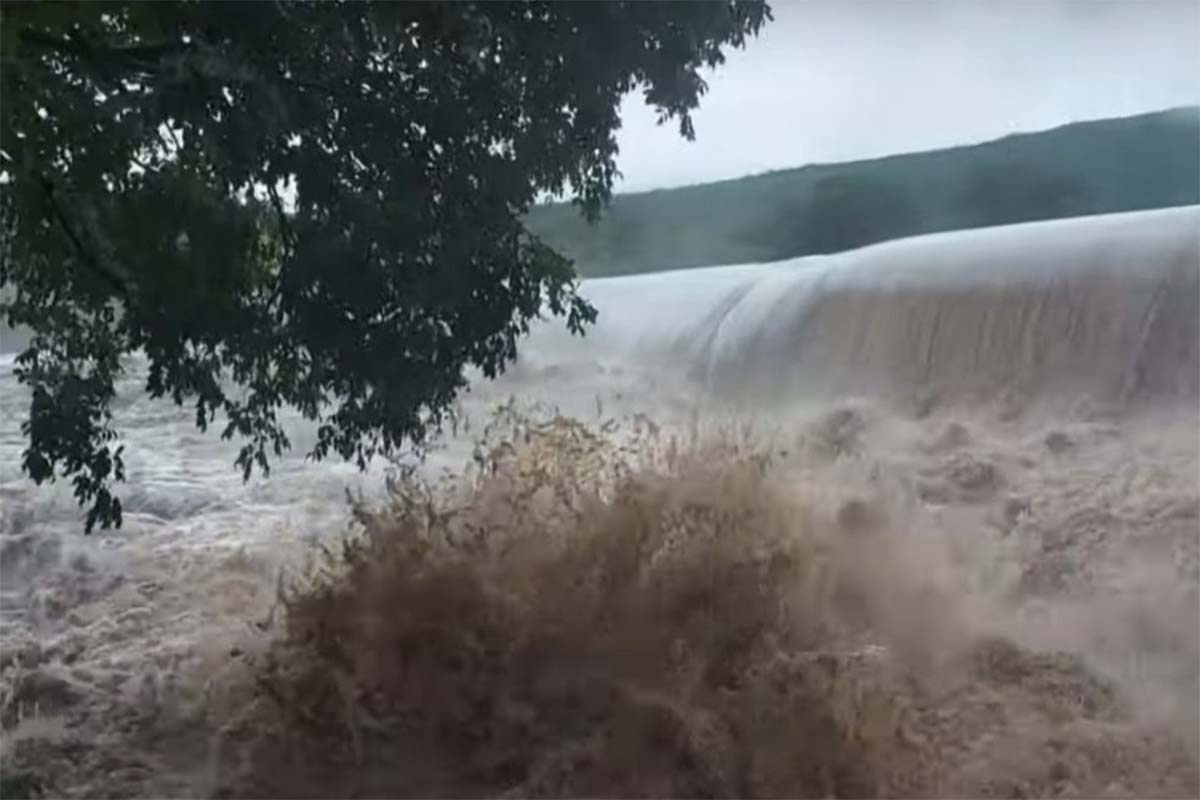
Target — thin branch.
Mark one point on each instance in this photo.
(283, 220)
(85, 254)
(174, 137)
(320, 87)
(136, 55)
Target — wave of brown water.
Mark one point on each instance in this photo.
(993, 596)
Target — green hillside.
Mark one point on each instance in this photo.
(1146, 161)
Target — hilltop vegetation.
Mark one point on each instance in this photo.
(1127, 164)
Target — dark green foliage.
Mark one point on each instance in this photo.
(151, 151)
(1147, 161)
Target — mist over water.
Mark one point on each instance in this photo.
(1003, 420)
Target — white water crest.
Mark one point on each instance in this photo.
(1103, 306)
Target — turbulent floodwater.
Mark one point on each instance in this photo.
(1021, 400)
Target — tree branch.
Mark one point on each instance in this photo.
(134, 55)
(279, 212)
(86, 255)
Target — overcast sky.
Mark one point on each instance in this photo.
(834, 81)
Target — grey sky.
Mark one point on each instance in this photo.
(834, 81)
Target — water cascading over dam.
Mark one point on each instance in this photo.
(1104, 307)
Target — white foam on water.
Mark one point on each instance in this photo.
(1103, 307)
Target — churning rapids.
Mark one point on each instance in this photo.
(1013, 411)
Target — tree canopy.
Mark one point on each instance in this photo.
(320, 204)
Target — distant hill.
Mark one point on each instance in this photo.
(1140, 162)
